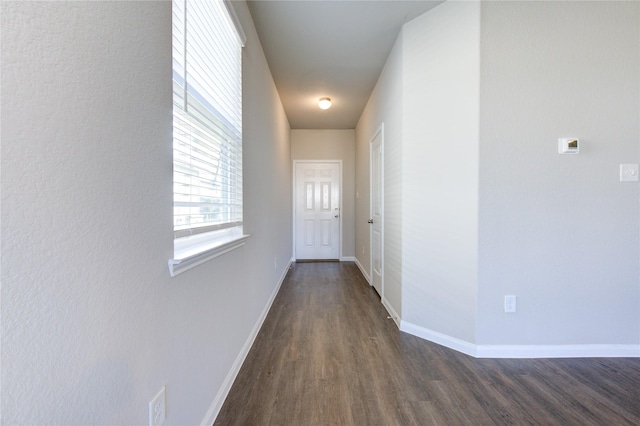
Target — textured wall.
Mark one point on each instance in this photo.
(92, 325)
(559, 231)
(441, 78)
(384, 106)
(332, 145)
(480, 93)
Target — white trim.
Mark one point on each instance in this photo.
(394, 315)
(340, 210)
(197, 255)
(380, 132)
(522, 351)
(439, 338)
(242, 38)
(214, 410)
(347, 259)
(364, 273)
(557, 351)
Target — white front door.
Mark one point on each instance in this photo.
(377, 211)
(317, 210)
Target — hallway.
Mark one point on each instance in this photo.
(328, 355)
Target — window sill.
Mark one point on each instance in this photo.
(198, 254)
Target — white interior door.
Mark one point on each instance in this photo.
(377, 211)
(317, 210)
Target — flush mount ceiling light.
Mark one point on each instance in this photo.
(324, 103)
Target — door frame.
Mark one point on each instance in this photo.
(380, 132)
(294, 202)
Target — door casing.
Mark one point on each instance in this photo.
(295, 201)
(377, 217)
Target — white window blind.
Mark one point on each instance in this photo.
(207, 118)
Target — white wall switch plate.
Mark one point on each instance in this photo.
(509, 304)
(628, 173)
(157, 412)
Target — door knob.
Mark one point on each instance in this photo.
(370, 221)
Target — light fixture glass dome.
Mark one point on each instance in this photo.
(324, 103)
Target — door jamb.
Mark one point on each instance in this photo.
(380, 132)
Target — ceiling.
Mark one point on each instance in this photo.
(331, 48)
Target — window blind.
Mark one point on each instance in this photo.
(207, 118)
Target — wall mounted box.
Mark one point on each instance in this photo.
(568, 146)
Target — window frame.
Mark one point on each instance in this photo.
(198, 245)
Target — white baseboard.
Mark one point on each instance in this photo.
(522, 351)
(392, 312)
(558, 351)
(347, 259)
(439, 338)
(364, 273)
(216, 406)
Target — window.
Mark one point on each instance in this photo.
(207, 132)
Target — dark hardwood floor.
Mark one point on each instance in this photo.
(328, 355)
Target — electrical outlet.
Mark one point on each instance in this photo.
(275, 262)
(509, 304)
(157, 413)
(363, 249)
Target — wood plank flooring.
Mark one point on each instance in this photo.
(328, 355)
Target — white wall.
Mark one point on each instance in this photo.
(487, 206)
(333, 145)
(558, 231)
(441, 74)
(92, 325)
(384, 106)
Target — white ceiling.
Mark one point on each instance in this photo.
(331, 48)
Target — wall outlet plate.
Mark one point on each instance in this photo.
(157, 411)
(628, 173)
